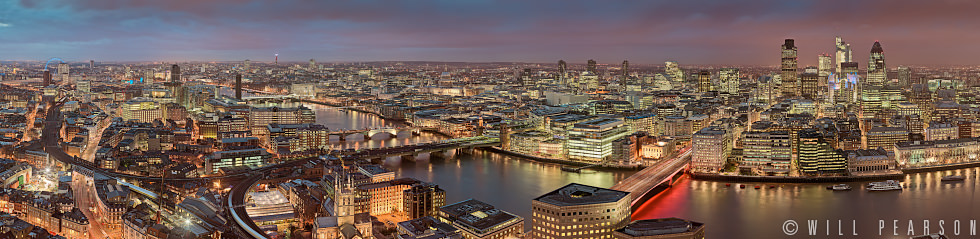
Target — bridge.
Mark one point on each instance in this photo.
(411, 152)
(368, 133)
(654, 178)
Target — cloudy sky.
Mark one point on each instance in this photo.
(645, 32)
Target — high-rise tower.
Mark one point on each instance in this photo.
(842, 54)
(63, 71)
(562, 71)
(238, 86)
(728, 80)
(590, 67)
(175, 73)
(674, 70)
(704, 81)
(46, 77)
(626, 67)
(312, 65)
(874, 82)
(790, 87)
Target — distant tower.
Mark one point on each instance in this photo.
(674, 70)
(562, 71)
(91, 63)
(626, 67)
(843, 54)
(904, 76)
(277, 59)
(47, 77)
(809, 83)
(590, 67)
(247, 64)
(871, 99)
(704, 81)
(728, 79)
(624, 79)
(526, 77)
(312, 65)
(175, 73)
(824, 66)
(238, 86)
(63, 71)
(790, 87)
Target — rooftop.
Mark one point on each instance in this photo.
(662, 226)
(473, 214)
(578, 194)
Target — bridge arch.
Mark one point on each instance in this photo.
(50, 60)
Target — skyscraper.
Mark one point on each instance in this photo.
(175, 73)
(824, 66)
(728, 80)
(312, 65)
(847, 84)
(871, 87)
(788, 68)
(809, 83)
(63, 71)
(590, 67)
(904, 76)
(248, 63)
(704, 81)
(626, 67)
(238, 86)
(843, 54)
(674, 71)
(562, 72)
(46, 76)
(91, 63)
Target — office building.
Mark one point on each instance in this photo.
(260, 117)
(871, 95)
(885, 137)
(479, 220)
(942, 131)
(591, 141)
(788, 69)
(810, 84)
(252, 158)
(728, 80)
(817, 156)
(704, 81)
(423, 200)
(711, 148)
(142, 110)
(562, 72)
(579, 211)
(766, 151)
(912, 154)
(591, 67)
(175, 73)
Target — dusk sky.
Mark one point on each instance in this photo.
(644, 32)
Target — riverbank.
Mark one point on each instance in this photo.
(559, 161)
(941, 167)
(786, 179)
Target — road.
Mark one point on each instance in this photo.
(650, 177)
(83, 191)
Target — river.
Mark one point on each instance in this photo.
(728, 212)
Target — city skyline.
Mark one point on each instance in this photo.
(643, 33)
